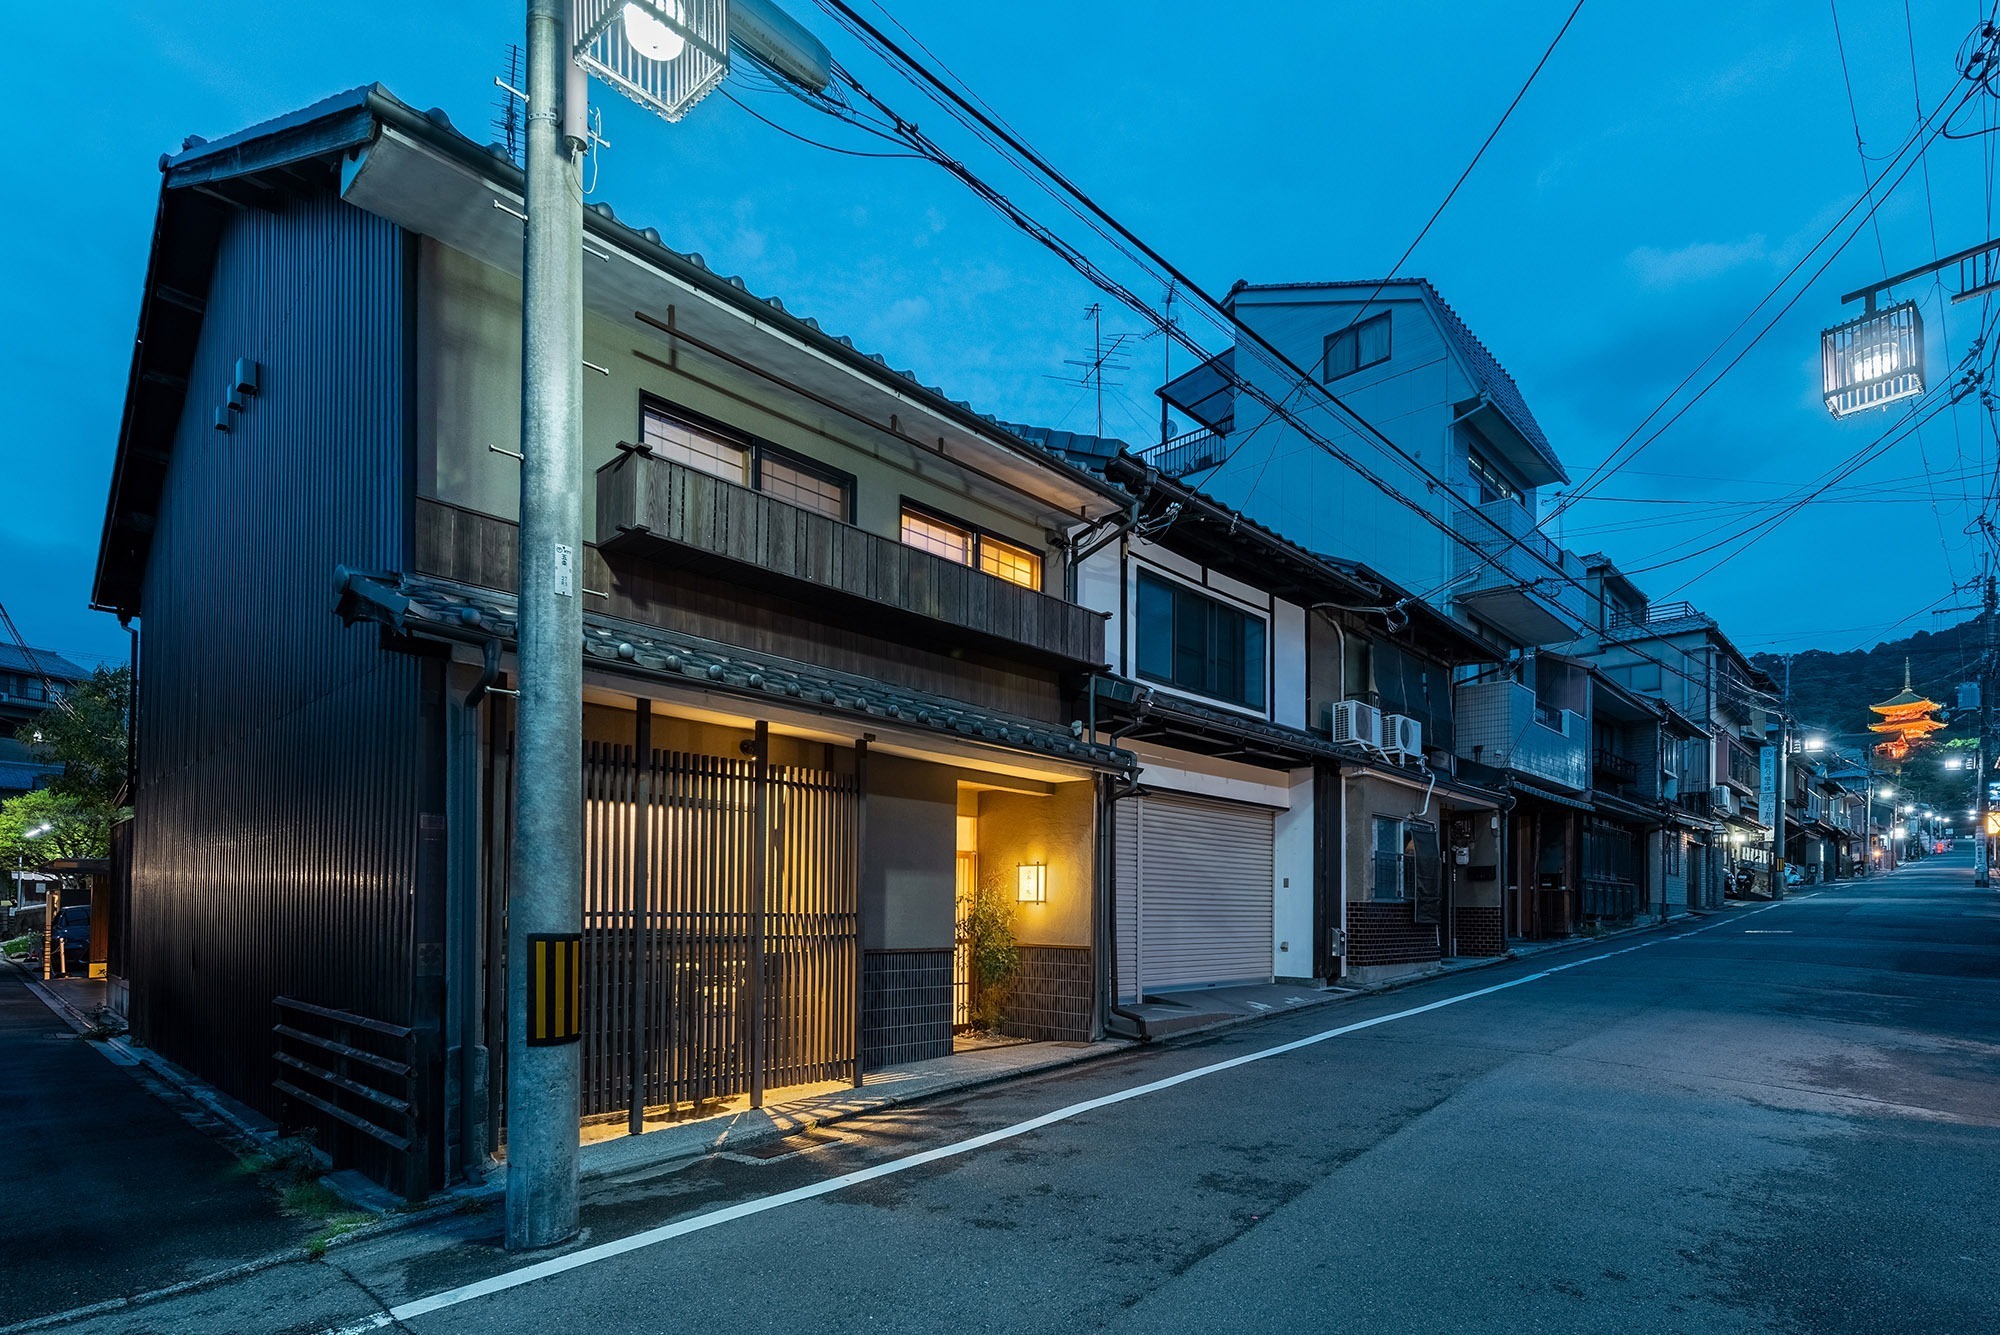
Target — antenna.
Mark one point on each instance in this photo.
(507, 107)
(1104, 357)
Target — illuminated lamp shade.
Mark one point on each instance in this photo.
(666, 55)
(1034, 882)
(1874, 360)
(1901, 831)
(651, 38)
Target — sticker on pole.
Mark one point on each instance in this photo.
(555, 989)
(565, 570)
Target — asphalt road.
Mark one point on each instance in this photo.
(106, 1188)
(1774, 1119)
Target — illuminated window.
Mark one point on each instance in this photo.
(1016, 565)
(804, 487)
(969, 547)
(685, 443)
(937, 537)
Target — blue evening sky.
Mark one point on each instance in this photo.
(1669, 165)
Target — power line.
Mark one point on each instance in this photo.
(1258, 345)
(1049, 178)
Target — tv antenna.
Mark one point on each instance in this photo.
(1105, 358)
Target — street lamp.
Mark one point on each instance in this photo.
(1873, 360)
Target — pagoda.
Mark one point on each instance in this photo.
(1906, 720)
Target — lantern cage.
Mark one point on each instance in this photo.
(1874, 360)
(665, 55)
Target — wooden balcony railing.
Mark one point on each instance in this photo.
(655, 507)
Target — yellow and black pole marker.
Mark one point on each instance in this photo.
(555, 990)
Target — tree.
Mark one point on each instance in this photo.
(86, 735)
(77, 827)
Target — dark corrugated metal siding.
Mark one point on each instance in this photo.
(275, 840)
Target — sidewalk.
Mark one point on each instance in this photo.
(111, 1191)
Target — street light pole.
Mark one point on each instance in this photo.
(1981, 857)
(545, 906)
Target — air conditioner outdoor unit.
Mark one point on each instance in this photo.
(1403, 736)
(1724, 799)
(1357, 724)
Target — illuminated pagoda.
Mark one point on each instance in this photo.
(1906, 720)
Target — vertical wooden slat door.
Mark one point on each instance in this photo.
(671, 923)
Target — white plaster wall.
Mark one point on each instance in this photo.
(1292, 887)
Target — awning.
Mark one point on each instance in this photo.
(1553, 799)
(423, 606)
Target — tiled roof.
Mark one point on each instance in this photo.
(45, 661)
(1485, 369)
(424, 605)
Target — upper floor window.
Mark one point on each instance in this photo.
(1487, 481)
(970, 547)
(680, 440)
(803, 485)
(1357, 346)
(1189, 640)
(747, 463)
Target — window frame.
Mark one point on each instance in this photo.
(1259, 706)
(979, 535)
(1403, 889)
(1328, 375)
(755, 449)
(1489, 476)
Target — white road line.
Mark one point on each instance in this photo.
(604, 1251)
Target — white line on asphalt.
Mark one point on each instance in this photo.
(605, 1251)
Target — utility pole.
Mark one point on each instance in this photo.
(1981, 858)
(545, 905)
(1781, 786)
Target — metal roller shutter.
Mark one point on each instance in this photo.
(1193, 892)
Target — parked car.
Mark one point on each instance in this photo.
(71, 935)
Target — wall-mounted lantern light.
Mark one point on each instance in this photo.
(1034, 882)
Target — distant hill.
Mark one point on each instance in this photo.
(1832, 691)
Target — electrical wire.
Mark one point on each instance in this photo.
(1051, 180)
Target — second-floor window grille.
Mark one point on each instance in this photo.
(768, 468)
(969, 547)
(937, 537)
(1197, 643)
(1016, 565)
(1357, 347)
(670, 437)
(804, 487)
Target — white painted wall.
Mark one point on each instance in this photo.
(1292, 888)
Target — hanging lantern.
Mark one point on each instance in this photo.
(1874, 360)
(665, 55)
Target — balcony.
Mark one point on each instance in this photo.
(1500, 723)
(1509, 574)
(648, 506)
(1610, 765)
